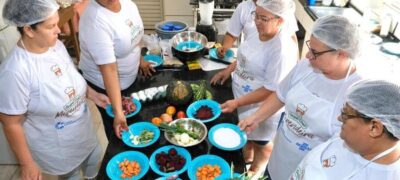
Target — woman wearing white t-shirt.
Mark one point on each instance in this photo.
(369, 145)
(262, 63)
(242, 21)
(312, 95)
(43, 105)
(109, 35)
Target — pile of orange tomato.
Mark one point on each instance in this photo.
(168, 116)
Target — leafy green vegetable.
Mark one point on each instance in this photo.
(176, 129)
(146, 136)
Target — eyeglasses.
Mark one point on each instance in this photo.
(316, 53)
(264, 19)
(345, 116)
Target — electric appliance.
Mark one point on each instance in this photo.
(206, 25)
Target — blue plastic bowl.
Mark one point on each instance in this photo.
(155, 59)
(189, 46)
(228, 55)
(136, 129)
(113, 171)
(135, 101)
(242, 135)
(211, 160)
(181, 151)
(215, 107)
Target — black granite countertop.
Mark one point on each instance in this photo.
(154, 109)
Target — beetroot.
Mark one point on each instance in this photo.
(171, 161)
(203, 113)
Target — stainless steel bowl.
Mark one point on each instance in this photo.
(189, 53)
(188, 124)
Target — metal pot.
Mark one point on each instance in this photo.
(188, 45)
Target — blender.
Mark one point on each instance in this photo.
(206, 25)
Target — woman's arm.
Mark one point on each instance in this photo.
(223, 75)
(256, 96)
(14, 132)
(270, 106)
(111, 83)
(229, 39)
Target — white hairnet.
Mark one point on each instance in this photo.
(338, 33)
(378, 99)
(281, 8)
(28, 12)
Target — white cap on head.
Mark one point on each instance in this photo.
(377, 99)
(28, 12)
(338, 33)
(281, 8)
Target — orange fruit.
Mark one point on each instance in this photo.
(171, 110)
(156, 121)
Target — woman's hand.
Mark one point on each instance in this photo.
(31, 172)
(98, 98)
(221, 51)
(101, 100)
(145, 68)
(120, 125)
(229, 106)
(248, 124)
(221, 77)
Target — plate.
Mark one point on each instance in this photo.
(212, 160)
(136, 129)
(135, 101)
(181, 151)
(113, 171)
(240, 134)
(228, 55)
(215, 107)
(155, 59)
(391, 48)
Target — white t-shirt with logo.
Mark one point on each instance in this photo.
(334, 160)
(296, 139)
(242, 20)
(107, 37)
(262, 64)
(48, 90)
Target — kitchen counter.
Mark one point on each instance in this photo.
(155, 109)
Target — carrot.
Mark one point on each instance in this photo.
(208, 172)
(129, 168)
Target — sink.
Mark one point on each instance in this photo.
(350, 13)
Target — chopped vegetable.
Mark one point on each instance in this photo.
(177, 129)
(207, 172)
(145, 137)
(129, 168)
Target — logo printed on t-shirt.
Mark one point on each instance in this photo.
(298, 174)
(295, 122)
(135, 29)
(70, 91)
(241, 68)
(329, 162)
(57, 70)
